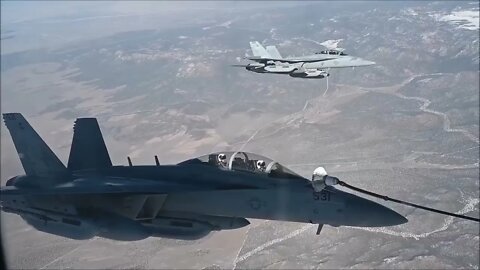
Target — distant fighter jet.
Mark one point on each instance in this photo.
(91, 197)
(313, 66)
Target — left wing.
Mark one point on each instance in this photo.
(93, 186)
(284, 60)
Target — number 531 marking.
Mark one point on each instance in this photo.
(321, 196)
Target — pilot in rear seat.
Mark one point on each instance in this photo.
(222, 160)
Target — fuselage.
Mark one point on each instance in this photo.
(218, 199)
(218, 191)
(309, 66)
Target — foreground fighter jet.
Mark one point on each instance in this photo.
(314, 66)
(91, 197)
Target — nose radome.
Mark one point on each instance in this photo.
(371, 214)
(240, 222)
(388, 217)
(366, 63)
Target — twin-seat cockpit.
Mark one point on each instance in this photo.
(242, 161)
(332, 52)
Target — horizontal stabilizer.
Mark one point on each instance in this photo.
(88, 149)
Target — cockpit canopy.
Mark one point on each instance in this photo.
(246, 162)
(332, 52)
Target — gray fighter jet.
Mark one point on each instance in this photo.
(314, 66)
(91, 197)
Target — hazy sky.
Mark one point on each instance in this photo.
(17, 11)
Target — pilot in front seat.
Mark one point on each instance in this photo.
(261, 166)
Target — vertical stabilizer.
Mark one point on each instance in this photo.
(36, 157)
(88, 147)
(258, 50)
(273, 52)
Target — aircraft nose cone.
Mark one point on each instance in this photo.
(366, 63)
(240, 222)
(371, 214)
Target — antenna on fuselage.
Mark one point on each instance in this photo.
(129, 161)
(156, 161)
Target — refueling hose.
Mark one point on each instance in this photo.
(386, 198)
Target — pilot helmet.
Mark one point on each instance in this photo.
(260, 164)
(222, 157)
